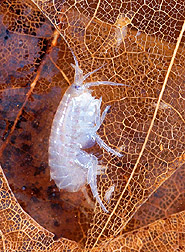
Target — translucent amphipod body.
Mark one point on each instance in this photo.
(74, 128)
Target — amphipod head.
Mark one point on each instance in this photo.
(79, 78)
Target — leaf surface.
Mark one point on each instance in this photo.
(140, 44)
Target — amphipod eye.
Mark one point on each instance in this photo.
(77, 87)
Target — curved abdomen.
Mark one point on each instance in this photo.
(63, 150)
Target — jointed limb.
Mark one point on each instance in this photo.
(103, 145)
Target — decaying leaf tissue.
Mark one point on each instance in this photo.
(121, 126)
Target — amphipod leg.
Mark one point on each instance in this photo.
(100, 142)
(103, 145)
(104, 114)
(92, 181)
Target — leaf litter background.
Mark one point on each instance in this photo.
(137, 42)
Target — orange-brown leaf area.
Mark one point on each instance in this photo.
(138, 43)
(163, 235)
(168, 199)
(19, 232)
(26, 112)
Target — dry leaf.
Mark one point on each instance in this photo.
(139, 44)
(19, 232)
(163, 235)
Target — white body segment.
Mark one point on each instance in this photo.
(74, 128)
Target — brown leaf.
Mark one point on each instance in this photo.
(163, 235)
(168, 199)
(30, 93)
(19, 232)
(141, 45)
(146, 121)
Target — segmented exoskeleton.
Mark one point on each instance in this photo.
(74, 128)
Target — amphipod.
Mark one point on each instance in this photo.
(74, 128)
